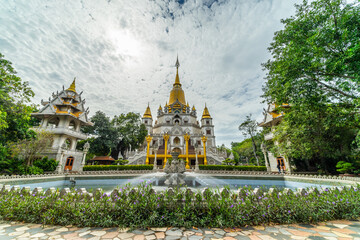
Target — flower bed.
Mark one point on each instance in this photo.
(143, 207)
(232, 168)
(116, 167)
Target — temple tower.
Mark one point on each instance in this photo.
(63, 115)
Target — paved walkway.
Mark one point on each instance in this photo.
(328, 230)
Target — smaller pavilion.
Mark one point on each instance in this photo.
(63, 115)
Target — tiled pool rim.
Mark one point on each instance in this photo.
(318, 179)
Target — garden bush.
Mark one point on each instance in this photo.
(46, 164)
(232, 168)
(141, 207)
(116, 167)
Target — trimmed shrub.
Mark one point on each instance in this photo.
(232, 168)
(116, 167)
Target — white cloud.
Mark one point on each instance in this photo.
(123, 52)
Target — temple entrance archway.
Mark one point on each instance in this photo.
(178, 150)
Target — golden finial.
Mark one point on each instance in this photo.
(72, 86)
(187, 104)
(206, 113)
(177, 79)
(160, 108)
(147, 113)
(166, 105)
(193, 108)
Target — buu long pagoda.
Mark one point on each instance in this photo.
(176, 129)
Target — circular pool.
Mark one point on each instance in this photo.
(193, 180)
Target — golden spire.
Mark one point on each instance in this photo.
(187, 105)
(72, 86)
(177, 79)
(206, 113)
(193, 108)
(147, 113)
(166, 105)
(177, 93)
(160, 108)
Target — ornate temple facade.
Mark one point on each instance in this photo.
(272, 118)
(176, 129)
(63, 115)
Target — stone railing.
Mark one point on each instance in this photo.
(98, 193)
(235, 172)
(30, 176)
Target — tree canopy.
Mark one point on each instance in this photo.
(15, 96)
(111, 136)
(315, 68)
(317, 53)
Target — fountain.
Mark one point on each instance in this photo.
(175, 171)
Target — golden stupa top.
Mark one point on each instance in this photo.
(160, 108)
(177, 93)
(193, 108)
(147, 113)
(72, 86)
(206, 113)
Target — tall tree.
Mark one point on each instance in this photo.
(249, 129)
(30, 149)
(317, 53)
(105, 136)
(315, 68)
(131, 132)
(15, 112)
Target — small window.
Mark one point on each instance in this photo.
(185, 121)
(199, 142)
(167, 121)
(145, 121)
(207, 122)
(208, 132)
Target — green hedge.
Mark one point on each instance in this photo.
(232, 168)
(142, 208)
(116, 167)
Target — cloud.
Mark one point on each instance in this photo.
(123, 52)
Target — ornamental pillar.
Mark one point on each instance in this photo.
(187, 138)
(166, 138)
(148, 140)
(204, 139)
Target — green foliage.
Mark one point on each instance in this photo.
(232, 168)
(244, 150)
(115, 135)
(116, 167)
(46, 164)
(314, 67)
(141, 208)
(344, 167)
(249, 128)
(14, 111)
(319, 134)
(229, 161)
(317, 53)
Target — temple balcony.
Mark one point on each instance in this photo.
(62, 130)
(269, 136)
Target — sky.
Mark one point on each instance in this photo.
(123, 52)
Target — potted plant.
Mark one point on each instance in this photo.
(346, 168)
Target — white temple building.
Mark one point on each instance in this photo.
(63, 115)
(177, 129)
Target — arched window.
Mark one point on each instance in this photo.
(176, 141)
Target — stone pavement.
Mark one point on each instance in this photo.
(329, 230)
